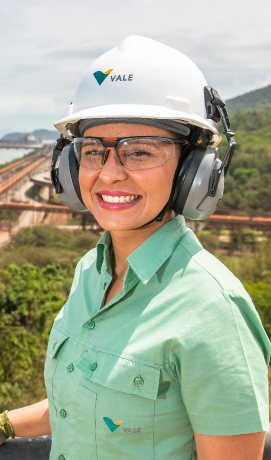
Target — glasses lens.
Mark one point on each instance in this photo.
(89, 153)
(145, 153)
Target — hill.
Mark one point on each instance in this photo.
(40, 134)
(248, 185)
(12, 136)
(45, 134)
(258, 99)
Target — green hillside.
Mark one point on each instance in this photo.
(248, 184)
(258, 99)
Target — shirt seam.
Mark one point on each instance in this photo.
(229, 416)
(200, 265)
(241, 344)
(115, 353)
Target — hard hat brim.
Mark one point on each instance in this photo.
(139, 111)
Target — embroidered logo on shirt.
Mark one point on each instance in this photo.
(111, 425)
(130, 430)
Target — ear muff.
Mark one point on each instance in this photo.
(191, 197)
(68, 178)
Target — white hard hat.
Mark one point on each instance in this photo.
(141, 78)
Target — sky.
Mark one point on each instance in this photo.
(46, 46)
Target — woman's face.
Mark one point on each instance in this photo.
(150, 187)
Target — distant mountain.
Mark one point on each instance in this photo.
(40, 134)
(12, 136)
(254, 100)
(45, 134)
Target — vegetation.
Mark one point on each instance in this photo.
(248, 185)
(36, 274)
(258, 99)
(35, 279)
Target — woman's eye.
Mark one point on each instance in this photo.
(139, 153)
(92, 152)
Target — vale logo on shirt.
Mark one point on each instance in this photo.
(111, 425)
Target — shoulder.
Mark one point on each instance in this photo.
(206, 268)
(218, 308)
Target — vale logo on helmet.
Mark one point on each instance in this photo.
(101, 76)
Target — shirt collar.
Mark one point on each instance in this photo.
(103, 251)
(150, 255)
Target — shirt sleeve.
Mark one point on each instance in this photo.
(220, 358)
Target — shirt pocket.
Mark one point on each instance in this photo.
(57, 341)
(126, 393)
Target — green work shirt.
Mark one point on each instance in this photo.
(179, 349)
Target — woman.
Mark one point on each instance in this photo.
(158, 352)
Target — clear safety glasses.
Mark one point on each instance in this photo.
(133, 153)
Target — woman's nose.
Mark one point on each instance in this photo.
(112, 171)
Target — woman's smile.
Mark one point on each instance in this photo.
(116, 200)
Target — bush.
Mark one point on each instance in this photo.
(32, 291)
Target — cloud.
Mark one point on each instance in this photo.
(47, 46)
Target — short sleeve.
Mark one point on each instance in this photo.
(220, 357)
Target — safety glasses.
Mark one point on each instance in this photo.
(133, 153)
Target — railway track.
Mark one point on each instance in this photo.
(35, 207)
(39, 158)
(225, 221)
(19, 163)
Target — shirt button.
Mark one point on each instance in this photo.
(93, 366)
(55, 344)
(61, 457)
(63, 413)
(70, 367)
(138, 381)
(91, 324)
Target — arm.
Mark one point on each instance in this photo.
(238, 447)
(31, 420)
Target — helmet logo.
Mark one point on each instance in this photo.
(101, 76)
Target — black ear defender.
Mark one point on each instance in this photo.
(198, 182)
(65, 177)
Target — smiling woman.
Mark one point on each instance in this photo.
(114, 180)
(159, 352)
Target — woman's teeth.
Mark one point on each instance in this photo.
(119, 199)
